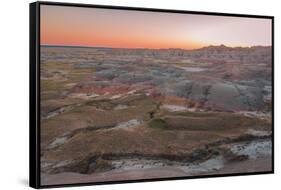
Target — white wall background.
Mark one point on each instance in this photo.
(14, 27)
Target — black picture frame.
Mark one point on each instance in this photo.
(34, 93)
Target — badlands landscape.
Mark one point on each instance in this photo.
(110, 114)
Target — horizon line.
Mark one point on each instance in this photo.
(108, 47)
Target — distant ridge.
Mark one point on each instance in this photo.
(223, 47)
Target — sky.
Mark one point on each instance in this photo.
(78, 26)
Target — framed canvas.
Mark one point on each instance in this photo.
(123, 94)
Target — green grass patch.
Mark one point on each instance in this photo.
(198, 114)
(50, 85)
(158, 124)
(56, 66)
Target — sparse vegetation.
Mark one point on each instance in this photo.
(158, 123)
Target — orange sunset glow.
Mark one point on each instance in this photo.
(77, 26)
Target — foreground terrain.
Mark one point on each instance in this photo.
(117, 114)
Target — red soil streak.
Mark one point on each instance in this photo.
(102, 90)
